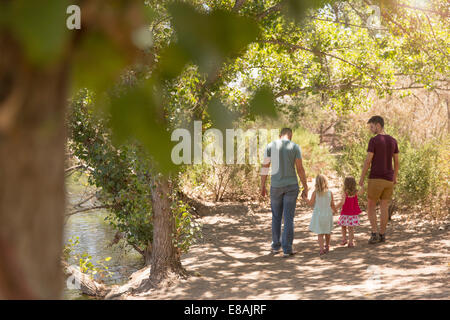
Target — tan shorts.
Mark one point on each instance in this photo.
(380, 189)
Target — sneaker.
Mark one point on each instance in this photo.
(373, 238)
(382, 238)
(287, 255)
(274, 252)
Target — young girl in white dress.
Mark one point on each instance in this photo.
(322, 217)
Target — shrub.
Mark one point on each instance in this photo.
(242, 182)
(424, 169)
(122, 175)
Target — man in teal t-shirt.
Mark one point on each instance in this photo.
(285, 157)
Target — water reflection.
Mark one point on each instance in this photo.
(95, 236)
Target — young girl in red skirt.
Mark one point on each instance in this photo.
(350, 211)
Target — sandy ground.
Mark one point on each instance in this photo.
(234, 262)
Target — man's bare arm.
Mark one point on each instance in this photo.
(302, 175)
(366, 167)
(312, 201)
(396, 167)
(264, 172)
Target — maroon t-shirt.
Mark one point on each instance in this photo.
(383, 146)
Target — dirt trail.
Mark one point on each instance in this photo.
(233, 261)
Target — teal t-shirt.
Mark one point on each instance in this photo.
(282, 154)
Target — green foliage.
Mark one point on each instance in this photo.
(210, 38)
(297, 10)
(263, 103)
(422, 175)
(84, 260)
(69, 247)
(242, 181)
(350, 161)
(98, 63)
(40, 26)
(124, 176)
(188, 231)
(329, 58)
(316, 158)
(141, 120)
(121, 174)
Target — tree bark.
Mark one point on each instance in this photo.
(148, 254)
(164, 259)
(32, 194)
(86, 284)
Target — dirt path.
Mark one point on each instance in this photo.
(234, 262)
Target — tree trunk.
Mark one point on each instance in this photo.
(165, 259)
(32, 194)
(84, 282)
(148, 254)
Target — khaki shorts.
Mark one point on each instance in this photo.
(380, 189)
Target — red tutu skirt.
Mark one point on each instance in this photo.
(348, 221)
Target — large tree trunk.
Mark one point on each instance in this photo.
(32, 196)
(165, 260)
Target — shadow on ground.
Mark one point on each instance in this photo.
(234, 262)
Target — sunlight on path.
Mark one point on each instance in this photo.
(234, 262)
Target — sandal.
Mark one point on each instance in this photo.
(322, 252)
(343, 242)
(351, 244)
(327, 249)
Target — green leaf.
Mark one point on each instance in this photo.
(40, 26)
(296, 9)
(172, 62)
(97, 64)
(263, 103)
(221, 117)
(136, 114)
(108, 258)
(209, 38)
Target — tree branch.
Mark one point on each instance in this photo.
(344, 23)
(238, 5)
(348, 86)
(87, 209)
(434, 36)
(73, 168)
(270, 10)
(293, 46)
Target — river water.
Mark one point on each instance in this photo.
(95, 237)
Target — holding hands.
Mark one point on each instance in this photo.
(304, 194)
(361, 185)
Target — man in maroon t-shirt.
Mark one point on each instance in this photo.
(382, 178)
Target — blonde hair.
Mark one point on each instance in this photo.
(321, 183)
(350, 186)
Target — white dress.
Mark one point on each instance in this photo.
(322, 217)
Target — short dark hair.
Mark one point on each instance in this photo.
(285, 131)
(377, 119)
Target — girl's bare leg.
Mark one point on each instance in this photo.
(344, 234)
(320, 239)
(327, 239)
(350, 235)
